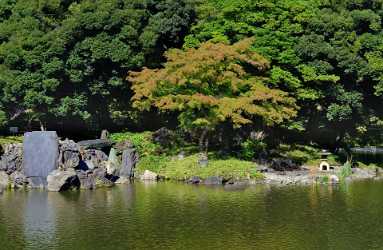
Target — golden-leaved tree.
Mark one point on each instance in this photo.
(212, 84)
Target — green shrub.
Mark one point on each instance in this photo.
(345, 171)
(142, 141)
(298, 156)
(250, 149)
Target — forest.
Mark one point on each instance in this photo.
(226, 75)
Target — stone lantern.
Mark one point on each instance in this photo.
(324, 165)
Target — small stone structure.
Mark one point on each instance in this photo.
(324, 165)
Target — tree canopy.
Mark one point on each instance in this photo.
(213, 84)
(67, 60)
(324, 53)
(64, 63)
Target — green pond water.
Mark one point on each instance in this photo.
(178, 216)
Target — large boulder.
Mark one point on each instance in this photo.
(87, 180)
(69, 156)
(61, 180)
(94, 158)
(113, 163)
(41, 151)
(12, 159)
(93, 179)
(95, 144)
(129, 160)
(149, 176)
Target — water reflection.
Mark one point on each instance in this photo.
(176, 216)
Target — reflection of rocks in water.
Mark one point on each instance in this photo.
(39, 221)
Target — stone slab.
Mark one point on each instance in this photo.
(41, 151)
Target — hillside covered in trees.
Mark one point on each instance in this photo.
(222, 73)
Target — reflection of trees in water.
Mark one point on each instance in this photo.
(167, 215)
(11, 225)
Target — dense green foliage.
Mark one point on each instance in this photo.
(325, 53)
(67, 60)
(312, 72)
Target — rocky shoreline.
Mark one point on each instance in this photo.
(86, 165)
(81, 165)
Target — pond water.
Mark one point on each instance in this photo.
(178, 216)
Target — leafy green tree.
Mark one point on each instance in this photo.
(213, 84)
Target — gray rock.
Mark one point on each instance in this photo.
(40, 156)
(194, 180)
(333, 179)
(149, 176)
(95, 144)
(213, 180)
(61, 180)
(69, 156)
(18, 180)
(203, 160)
(129, 161)
(104, 134)
(359, 173)
(263, 169)
(289, 177)
(94, 158)
(100, 178)
(87, 180)
(121, 146)
(181, 156)
(122, 180)
(12, 159)
(113, 163)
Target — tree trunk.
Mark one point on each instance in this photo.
(204, 140)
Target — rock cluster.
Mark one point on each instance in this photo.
(82, 165)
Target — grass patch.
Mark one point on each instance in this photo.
(369, 165)
(4, 140)
(183, 169)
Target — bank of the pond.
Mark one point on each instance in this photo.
(232, 175)
(118, 159)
